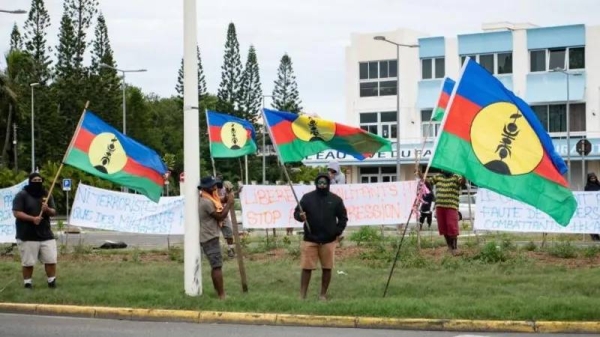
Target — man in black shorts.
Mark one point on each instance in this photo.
(211, 211)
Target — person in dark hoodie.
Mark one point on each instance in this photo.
(593, 185)
(34, 235)
(325, 218)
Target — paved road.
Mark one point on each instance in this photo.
(45, 326)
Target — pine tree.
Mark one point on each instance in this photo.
(201, 80)
(229, 90)
(105, 88)
(285, 93)
(35, 30)
(66, 49)
(251, 91)
(81, 13)
(16, 42)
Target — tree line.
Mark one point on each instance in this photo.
(65, 82)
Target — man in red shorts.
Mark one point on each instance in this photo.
(448, 187)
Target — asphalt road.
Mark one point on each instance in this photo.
(45, 326)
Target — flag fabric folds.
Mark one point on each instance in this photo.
(442, 104)
(494, 139)
(230, 137)
(298, 136)
(100, 150)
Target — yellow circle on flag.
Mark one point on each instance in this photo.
(234, 135)
(310, 129)
(503, 140)
(106, 153)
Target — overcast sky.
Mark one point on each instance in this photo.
(149, 34)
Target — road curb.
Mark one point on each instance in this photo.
(164, 315)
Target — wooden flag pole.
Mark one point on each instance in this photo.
(287, 175)
(238, 246)
(62, 163)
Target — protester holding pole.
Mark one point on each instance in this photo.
(326, 213)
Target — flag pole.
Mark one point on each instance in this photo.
(437, 138)
(212, 159)
(287, 175)
(62, 162)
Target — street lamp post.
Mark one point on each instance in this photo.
(33, 85)
(398, 45)
(264, 147)
(568, 75)
(17, 11)
(124, 85)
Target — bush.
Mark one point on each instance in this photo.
(492, 253)
(530, 247)
(564, 250)
(591, 251)
(366, 234)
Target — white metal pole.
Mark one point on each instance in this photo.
(568, 132)
(191, 150)
(398, 152)
(246, 168)
(32, 132)
(264, 152)
(124, 107)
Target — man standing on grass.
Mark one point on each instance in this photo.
(34, 235)
(211, 211)
(325, 217)
(448, 187)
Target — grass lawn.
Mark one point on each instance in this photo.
(492, 281)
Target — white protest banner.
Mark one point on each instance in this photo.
(8, 229)
(499, 213)
(367, 204)
(124, 212)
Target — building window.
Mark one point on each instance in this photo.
(384, 174)
(388, 124)
(504, 63)
(433, 68)
(371, 72)
(563, 58)
(368, 122)
(554, 117)
(496, 64)
(380, 123)
(388, 88)
(429, 128)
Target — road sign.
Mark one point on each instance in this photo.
(66, 184)
(584, 147)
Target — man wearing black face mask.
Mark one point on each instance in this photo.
(34, 236)
(327, 217)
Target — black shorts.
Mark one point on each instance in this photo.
(212, 250)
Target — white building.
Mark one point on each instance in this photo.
(520, 55)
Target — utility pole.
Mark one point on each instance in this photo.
(16, 166)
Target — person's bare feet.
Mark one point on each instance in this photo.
(222, 297)
(323, 298)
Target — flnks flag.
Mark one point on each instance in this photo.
(442, 104)
(299, 136)
(230, 137)
(494, 139)
(99, 149)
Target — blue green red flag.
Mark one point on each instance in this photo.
(493, 138)
(230, 137)
(100, 150)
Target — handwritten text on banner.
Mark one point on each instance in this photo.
(499, 213)
(367, 204)
(125, 212)
(8, 229)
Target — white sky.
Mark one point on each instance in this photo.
(149, 34)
